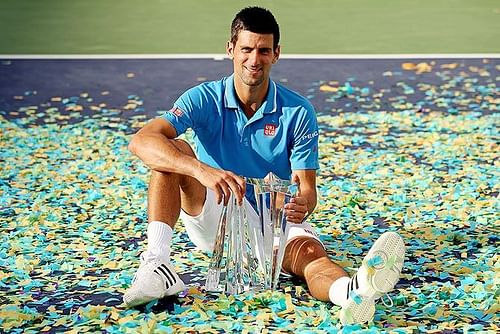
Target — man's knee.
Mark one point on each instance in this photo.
(301, 251)
(306, 247)
(182, 146)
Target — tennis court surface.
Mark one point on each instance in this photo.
(406, 145)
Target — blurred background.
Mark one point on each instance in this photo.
(194, 26)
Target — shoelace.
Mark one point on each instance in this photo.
(391, 263)
(391, 304)
(351, 293)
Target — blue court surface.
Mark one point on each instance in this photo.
(406, 145)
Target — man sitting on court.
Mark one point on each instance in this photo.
(247, 125)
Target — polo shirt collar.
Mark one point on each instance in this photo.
(231, 101)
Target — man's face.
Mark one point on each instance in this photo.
(253, 55)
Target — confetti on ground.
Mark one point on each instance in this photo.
(418, 156)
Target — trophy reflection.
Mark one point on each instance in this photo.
(250, 245)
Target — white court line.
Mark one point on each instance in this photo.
(223, 56)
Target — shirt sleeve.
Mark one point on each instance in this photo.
(187, 111)
(304, 152)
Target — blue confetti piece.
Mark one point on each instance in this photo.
(355, 297)
(375, 261)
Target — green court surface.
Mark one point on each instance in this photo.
(310, 27)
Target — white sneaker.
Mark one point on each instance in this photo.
(377, 275)
(154, 279)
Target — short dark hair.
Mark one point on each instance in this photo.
(257, 20)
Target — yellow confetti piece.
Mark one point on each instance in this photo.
(299, 290)
(74, 108)
(451, 66)
(419, 68)
(345, 263)
(110, 265)
(263, 316)
(61, 322)
(4, 275)
(327, 88)
(409, 66)
(130, 106)
(290, 308)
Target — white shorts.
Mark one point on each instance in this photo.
(202, 229)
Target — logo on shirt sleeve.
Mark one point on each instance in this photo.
(309, 136)
(270, 130)
(176, 111)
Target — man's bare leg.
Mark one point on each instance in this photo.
(377, 275)
(167, 193)
(306, 258)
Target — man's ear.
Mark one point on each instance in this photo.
(277, 53)
(229, 49)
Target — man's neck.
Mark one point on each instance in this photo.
(251, 97)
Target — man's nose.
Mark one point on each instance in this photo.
(253, 58)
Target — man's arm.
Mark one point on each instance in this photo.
(305, 201)
(153, 145)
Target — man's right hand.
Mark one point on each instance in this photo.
(222, 182)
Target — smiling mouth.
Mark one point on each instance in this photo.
(253, 70)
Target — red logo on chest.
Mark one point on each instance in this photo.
(270, 130)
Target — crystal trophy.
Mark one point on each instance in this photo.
(248, 253)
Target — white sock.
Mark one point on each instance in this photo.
(338, 291)
(159, 240)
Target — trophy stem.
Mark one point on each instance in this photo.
(214, 269)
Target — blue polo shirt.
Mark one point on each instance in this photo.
(280, 137)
